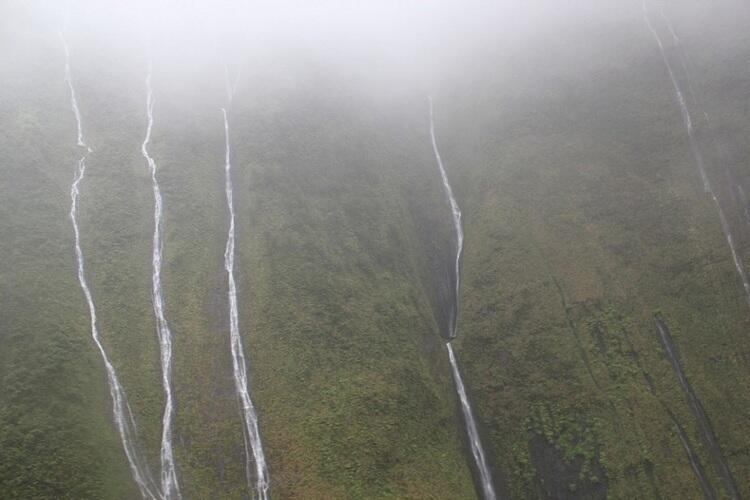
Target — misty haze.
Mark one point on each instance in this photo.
(374, 249)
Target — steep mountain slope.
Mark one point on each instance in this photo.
(51, 373)
(584, 215)
(602, 322)
(350, 380)
(348, 367)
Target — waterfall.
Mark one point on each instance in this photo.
(472, 431)
(253, 444)
(700, 475)
(169, 484)
(704, 424)
(697, 155)
(123, 417)
(456, 217)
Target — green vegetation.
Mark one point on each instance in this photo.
(583, 214)
(56, 438)
(347, 370)
(350, 377)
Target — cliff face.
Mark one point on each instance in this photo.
(584, 214)
(334, 200)
(587, 228)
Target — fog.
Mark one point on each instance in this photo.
(413, 41)
(498, 58)
(411, 34)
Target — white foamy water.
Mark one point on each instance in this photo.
(456, 217)
(123, 417)
(254, 456)
(471, 429)
(477, 451)
(694, 147)
(169, 484)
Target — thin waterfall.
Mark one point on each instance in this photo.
(477, 451)
(459, 231)
(685, 63)
(121, 412)
(687, 120)
(682, 56)
(700, 475)
(169, 485)
(253, 444)
(697, 155)
(701, 418)
(743, 201)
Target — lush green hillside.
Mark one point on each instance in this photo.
(584, 217)
(585, 214)
(348, 372)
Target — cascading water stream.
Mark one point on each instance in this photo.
(681, 54)
(456, 217)
(120, 409)
(169, 484)
(695, 148)
(253, 444)
(743, 201)
(685, 62)
(687, 120)
(695, 464)
(472, 431)
(704, 424)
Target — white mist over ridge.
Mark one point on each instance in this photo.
(409, 41)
